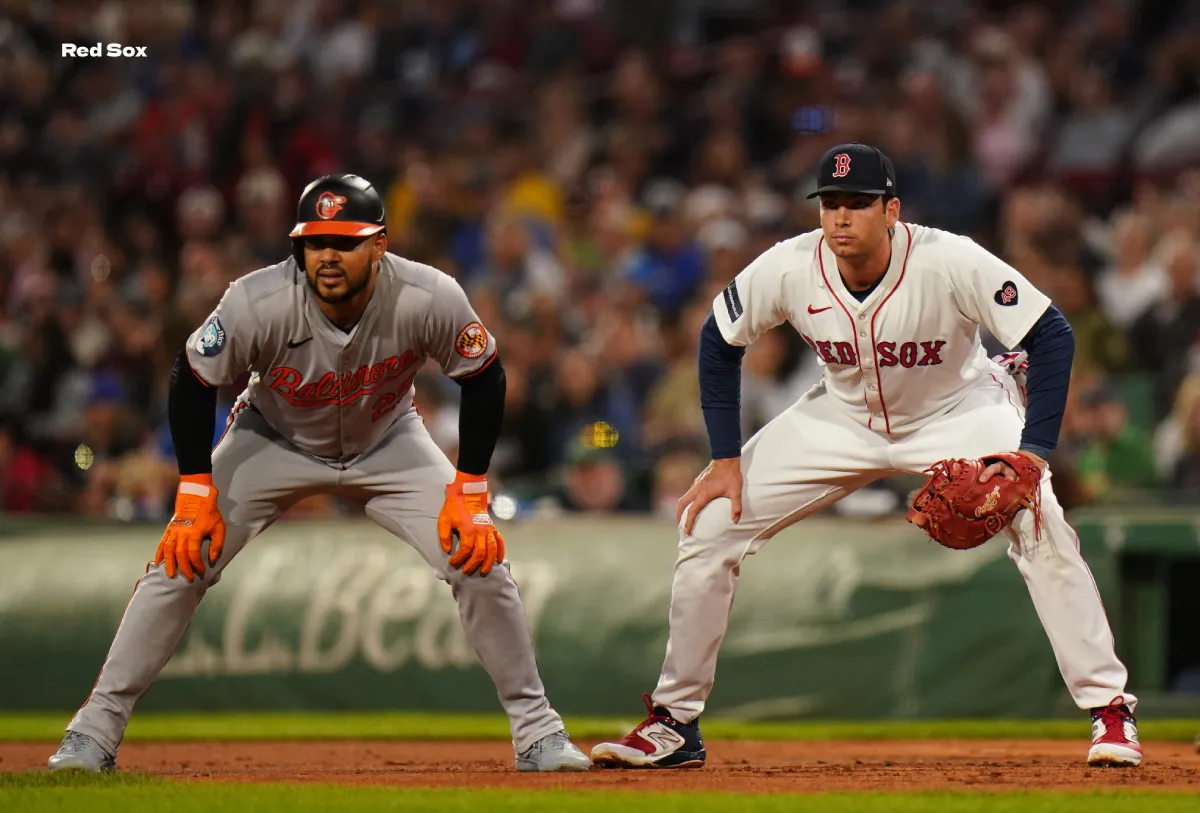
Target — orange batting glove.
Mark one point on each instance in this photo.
(196, 518)
(465, 513)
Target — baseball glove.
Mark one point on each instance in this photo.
(959, 512)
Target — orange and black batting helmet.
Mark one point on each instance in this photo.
(344, 205)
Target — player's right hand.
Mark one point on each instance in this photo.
(722, 478)
(196, 518)
(465, 515)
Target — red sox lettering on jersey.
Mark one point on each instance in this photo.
(907, 352)
(326, 390)
(889, 355)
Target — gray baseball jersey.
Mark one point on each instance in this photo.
(329, 392)
(332, 413)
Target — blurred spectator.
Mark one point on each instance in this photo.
(27, 479)
(941, 184)
(630, 349)
(1133, 282)
(1118, 456)
(775, 373)
(521, 272)
(668, 269)
(1171, 437)
(1006, 98)
(672, 410)
(1092, 139)
(1074, 437)
(585, 402)
(438, 408)
(1186, 476)
(531, 193)
(264, 209)
(594, 480)
(567, 143)
(724, 242)
(1166, 332)
(676, 468)
(1099, 345)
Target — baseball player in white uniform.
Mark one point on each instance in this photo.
(333, 338)
(893, 311)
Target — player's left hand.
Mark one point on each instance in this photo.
(465, 514)
(196, 518)
(722, 478)
(1006, 471)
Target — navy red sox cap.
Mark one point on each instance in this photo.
(345, 205)
(857, 168)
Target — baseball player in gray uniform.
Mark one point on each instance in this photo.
(333, 339)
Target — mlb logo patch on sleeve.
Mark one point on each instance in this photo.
(212, 338)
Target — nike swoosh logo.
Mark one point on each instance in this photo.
(811, 309)
(294, 345)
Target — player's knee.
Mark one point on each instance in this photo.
(714, 522)
(714, 538)
(497, 579)
(199, 583)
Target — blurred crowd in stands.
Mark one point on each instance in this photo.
(593, 173)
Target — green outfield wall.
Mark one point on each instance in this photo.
(834, 618)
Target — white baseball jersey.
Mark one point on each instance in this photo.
(330, 392)
(911, 350)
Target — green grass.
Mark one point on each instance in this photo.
(396, 725)
(124, 793)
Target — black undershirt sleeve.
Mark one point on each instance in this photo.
(192, 416)
(480, 417)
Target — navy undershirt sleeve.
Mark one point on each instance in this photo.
(721, 390)
(1050, 344)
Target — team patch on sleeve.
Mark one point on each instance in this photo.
(471, 341)
(733, 302)
(1007, 295)
(212, 338)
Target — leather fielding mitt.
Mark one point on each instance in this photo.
(959, 512)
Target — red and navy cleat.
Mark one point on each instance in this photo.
(658, 742)
(1114, 737)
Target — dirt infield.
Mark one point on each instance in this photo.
(732, 766)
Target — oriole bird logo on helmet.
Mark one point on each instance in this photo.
(329, 205)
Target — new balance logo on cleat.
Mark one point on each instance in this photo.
(662, 738)
(660, 741)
